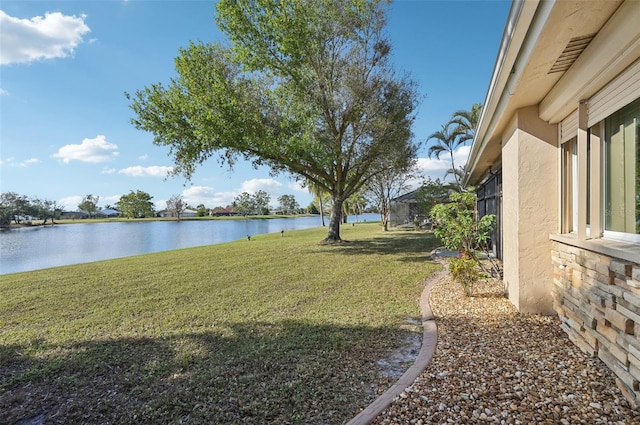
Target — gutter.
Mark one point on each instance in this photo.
(524, 25)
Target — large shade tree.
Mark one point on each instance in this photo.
(135, 204)
(303, 87)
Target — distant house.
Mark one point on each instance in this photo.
(185, 213)
(408, 208)
(107, 213)
(224, 212)
(405, 209)
(73, 215)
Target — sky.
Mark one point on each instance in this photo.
(65, 129)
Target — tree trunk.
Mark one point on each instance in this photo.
(385, 223)
(321, 209)
(345, 213)
(334, 221)
(455, 176)
(384, 215)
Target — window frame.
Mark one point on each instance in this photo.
(569, 153)
(583, 181)
(612, 234)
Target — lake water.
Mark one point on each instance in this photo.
(40, 247)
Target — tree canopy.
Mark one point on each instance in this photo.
(176, 206)
(247, 204)
(304, 87)
(388, 185)
(136, 204)
(89, 205)
(17, 207)
(288, 204)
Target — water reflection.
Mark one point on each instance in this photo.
(40, 247)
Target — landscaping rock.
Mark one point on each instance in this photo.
(495, 365)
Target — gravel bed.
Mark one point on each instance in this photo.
(494, 365)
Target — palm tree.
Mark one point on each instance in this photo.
(358, 202)
(468, 120)
(460, 172)
(318, 193)
(449, 138)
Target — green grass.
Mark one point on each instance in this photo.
(272, 330)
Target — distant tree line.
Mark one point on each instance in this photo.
(20, 209)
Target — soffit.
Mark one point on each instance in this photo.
(567, 21)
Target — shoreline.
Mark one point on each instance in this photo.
(38, 223)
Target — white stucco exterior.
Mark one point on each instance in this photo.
(564, 71)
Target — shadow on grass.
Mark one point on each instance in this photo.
(411, 246)
(285, 372)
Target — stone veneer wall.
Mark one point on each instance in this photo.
(598, 300)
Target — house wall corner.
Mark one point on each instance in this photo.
(530, 185)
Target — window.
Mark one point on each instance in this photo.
(570, 186)
(589, 141)
(622, 173)
(489, 196)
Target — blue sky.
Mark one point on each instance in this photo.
(65, 127)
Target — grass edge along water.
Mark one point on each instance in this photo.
(276, 329)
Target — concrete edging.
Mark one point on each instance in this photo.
(428, 349)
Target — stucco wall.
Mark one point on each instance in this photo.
(510, 214)
(530, 210)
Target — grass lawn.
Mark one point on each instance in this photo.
(272, 330)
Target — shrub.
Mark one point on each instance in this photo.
(464, 270)
(457, 226)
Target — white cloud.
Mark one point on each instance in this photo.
(3, 92)
(207, 196)
(433, 166)
(29, 161)
(270, 186)
(90, 150)
(296, 186)
(152, 171)
(11, 162)
(109, 200)
(53, 36)
(70, 203)
(462, 154)
(436, 168)
(107, 170)
(143, 157)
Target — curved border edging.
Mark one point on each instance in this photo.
(428, 349)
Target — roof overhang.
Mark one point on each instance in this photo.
(552, 54)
